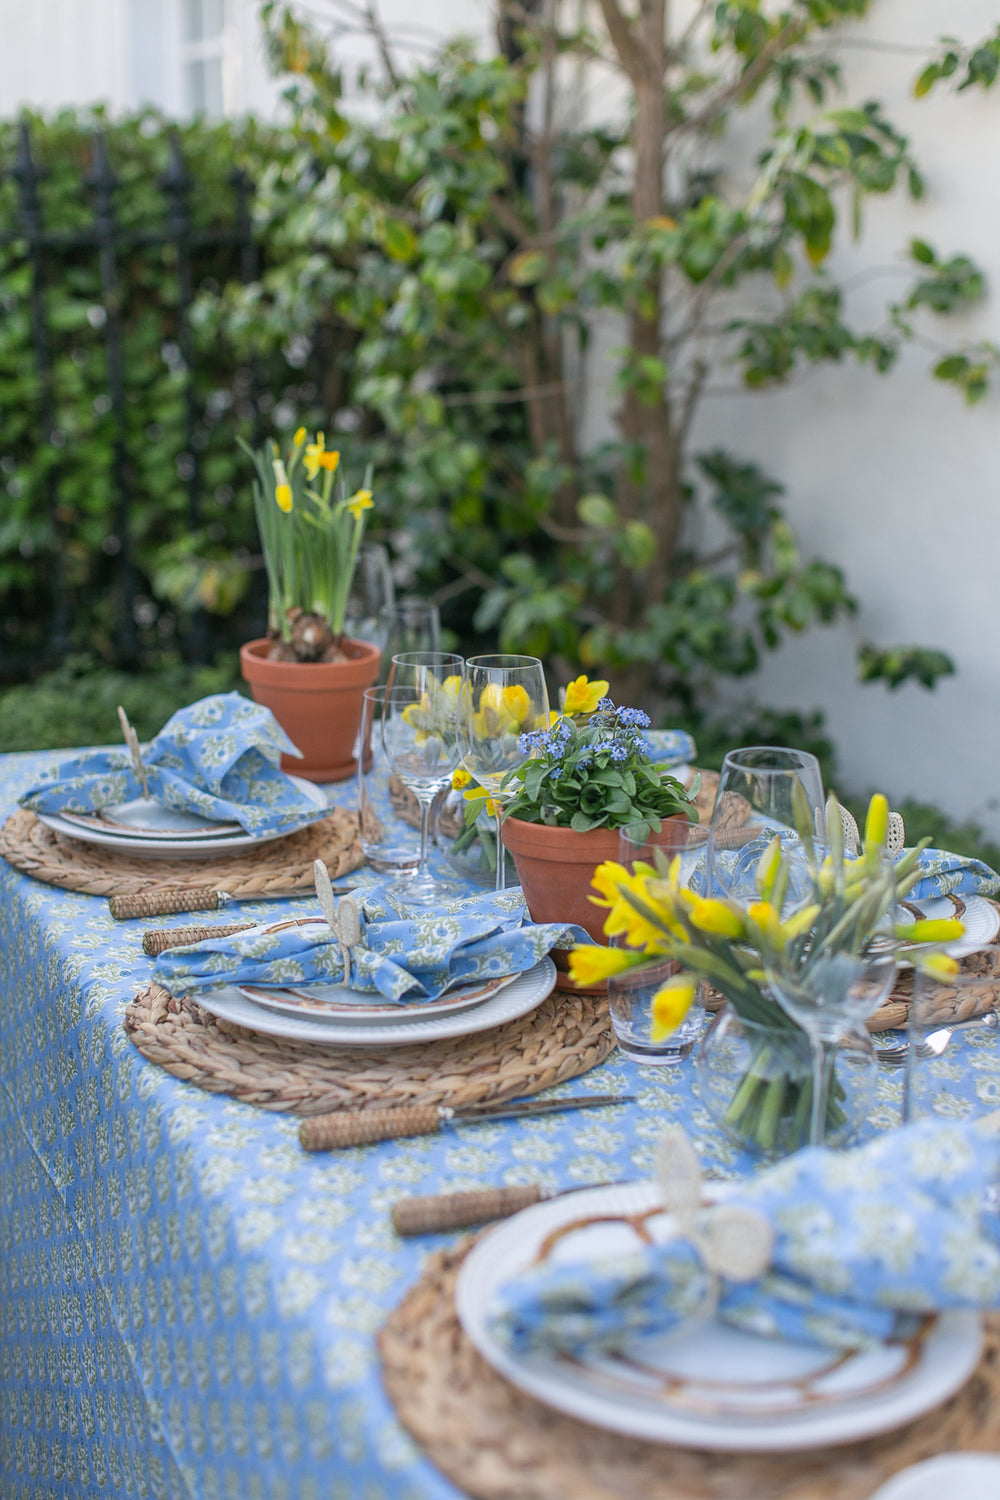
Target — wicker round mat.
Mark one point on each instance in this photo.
(498, 1444)
(285, 864)
(564, 1036)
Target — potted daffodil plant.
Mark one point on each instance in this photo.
(306, 670)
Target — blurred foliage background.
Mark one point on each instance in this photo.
(429, 265)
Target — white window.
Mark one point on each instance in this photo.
(206, 48)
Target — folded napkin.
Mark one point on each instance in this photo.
(861, 1240)
(941, 873)
(670, 747)
(401, 958)
(218, 758)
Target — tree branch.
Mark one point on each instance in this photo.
(630, 53)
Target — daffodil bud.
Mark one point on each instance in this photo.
(877, 821)
(931, 930)
(671, 1004)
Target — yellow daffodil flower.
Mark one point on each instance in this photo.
(300, 437)
(763, 916)
(460, 779)
(312, 455)
(767, 869)
(582, 697)
(716, 917)
(502, 711)
(931, 930)
(938, 965)
(282, 489)
(590, 964)
(359, 502)
(877, 821)
(671, 1004)
(452, 686)
(329, 460)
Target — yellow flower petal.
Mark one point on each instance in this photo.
(359, 503)
(591, 964)
(582, 697)
(460, 779)
(939, 965)
(671, 1004)
(716, 917)
(329, 460)
(300, 437)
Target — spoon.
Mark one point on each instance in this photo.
(935, 1042)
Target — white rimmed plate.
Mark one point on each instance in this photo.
(708, 1386)
(960, 1476)
(522, 995)
(183, 847)
(981, 920)
(336, 1003)
(145, 819)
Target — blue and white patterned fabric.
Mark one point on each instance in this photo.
(944, 874)
(188, 1301)
(413, 958)
(896, 1227)
(670, 747)
(218, 758)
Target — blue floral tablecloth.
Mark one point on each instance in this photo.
(188, 1302)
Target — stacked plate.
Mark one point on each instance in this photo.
(709, 1385)
(334, 1015)
(149, 830)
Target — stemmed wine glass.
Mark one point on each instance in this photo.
(408, 625)
(502, 698)
(411, 669)
(763, 790)
(830, 994)
(419, 737)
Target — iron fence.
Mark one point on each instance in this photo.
(105, 240)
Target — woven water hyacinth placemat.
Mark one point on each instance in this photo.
(498, 1444)
(285, 864)
(563, 1037)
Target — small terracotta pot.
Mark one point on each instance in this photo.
(555, 867)
(317, 704)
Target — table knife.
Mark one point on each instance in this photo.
(439, 1212)
(363, 1127)
(169, 899)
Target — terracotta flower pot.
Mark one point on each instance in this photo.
(555, 867)
(317, 704)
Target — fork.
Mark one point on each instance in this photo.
(935, 1043)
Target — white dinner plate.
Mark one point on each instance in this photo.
(336, 1004)
(960, 1476)
(522, 995)
(182, 847)
(145, 819)
(981, 920)
(708, 1385)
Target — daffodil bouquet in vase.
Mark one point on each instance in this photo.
(802, 959)
(311, 530)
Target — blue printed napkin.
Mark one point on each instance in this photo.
(218, 758)
(862, 1238)
(402, 958)
(670, 747)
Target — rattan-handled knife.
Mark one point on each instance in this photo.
(170, 899)
(364, 1127)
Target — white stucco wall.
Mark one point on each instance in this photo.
(893, 477)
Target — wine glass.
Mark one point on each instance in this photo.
(502, 698)
(631, 993)
(419, 739)
(828, 994)
(372, 596)
(412, 669)
(408, 625)
(763, 790)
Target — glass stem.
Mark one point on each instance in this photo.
(501, 851)
(817, 1125)
(426, 804)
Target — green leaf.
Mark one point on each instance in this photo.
(399, 240)
(597, 512)
(922, 252)
(528, 267)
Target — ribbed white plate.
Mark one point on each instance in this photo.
(156, 846)
(526, 992)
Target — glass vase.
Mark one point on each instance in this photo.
(756, 1082)
(469, 849)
